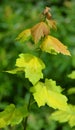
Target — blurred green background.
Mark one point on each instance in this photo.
(15, 16)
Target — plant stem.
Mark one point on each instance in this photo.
(25, 120)
(25, 123)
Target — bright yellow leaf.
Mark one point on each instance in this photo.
(45, 94)
(32, 66)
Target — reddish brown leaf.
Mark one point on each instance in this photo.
(46, 10)
(39, 30)
(47, 13)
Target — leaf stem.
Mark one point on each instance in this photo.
(25, 119)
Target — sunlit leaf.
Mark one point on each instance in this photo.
(39, 30)
(12, 116)
(24, 36)
(65, 116)
(52, 84)
(50, 94)
(32, 66)
(51, 44)
(23, 60)
(72, 75)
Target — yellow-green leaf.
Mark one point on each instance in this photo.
(12, 116)
(24, 35)
(52, 85)
(32, 65)
(53, 45)
(6, 115)
(65, 116)
(39, 30)
(14, 71)
(50, 94)
(18, 115)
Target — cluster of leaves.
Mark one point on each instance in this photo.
(44, 93)
(69, 115)
(65, 29)
(48, 44)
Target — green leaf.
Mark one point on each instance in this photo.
(72, 75)
(65, 116)
(50, 94)
(12, 116)
(18, 115)
(24, 36)
(5, 115)
(32, 67)
(71, 90)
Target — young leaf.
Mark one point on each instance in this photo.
(72, 75)
(32, 67)
(65, 116)
(50, 94)
(39, 30)
(24, 36)
(52, 44)
(47, 13)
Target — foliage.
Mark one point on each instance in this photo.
(64, 116)
(14, 19)
(12, 116)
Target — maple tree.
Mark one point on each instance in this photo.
(44, 92)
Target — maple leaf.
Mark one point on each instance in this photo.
(32, 66)
(39, 30)
(53, 44)
(24, 35)
(65, 116)
(50, 94)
